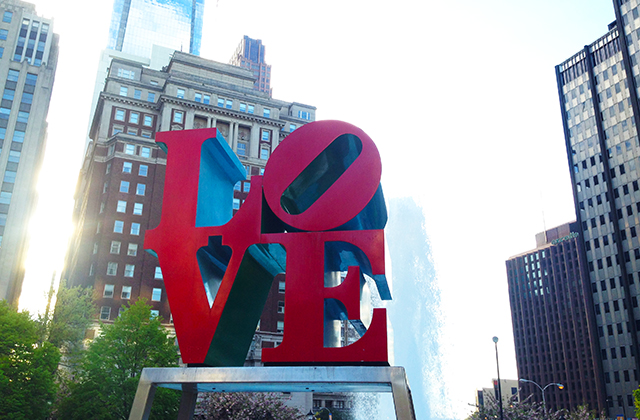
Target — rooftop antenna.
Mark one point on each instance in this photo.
(544, 223)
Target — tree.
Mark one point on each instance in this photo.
(528, 410)
(27, 367)
(67, 326)
(245, 406)
(109, 371)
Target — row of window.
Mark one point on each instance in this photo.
(118, 227)
(129, 269)
(105, 313)
(109, 289)
(127, 168)
(124, 187)
(134, 117)
(137, 93)
(122, 207)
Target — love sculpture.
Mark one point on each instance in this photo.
(318, 210)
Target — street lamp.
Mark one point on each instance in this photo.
(544, 403)
(312, 416)
(495, 341)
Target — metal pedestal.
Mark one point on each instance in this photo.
(272, 379)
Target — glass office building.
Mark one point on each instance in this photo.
(599, 88)
(136, 25)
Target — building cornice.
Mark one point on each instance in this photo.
(223, 111)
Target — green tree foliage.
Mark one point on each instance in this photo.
(27, 367)
(109, 372)
(66, 327)
(243, 406)
(527, 410)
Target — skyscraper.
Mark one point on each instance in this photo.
(250, 55)
(121, 183)
(136, 25)
(28, 60)
(554, 329)
(598, 90)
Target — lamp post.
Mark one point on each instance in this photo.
(312, 416)
(495, 341)
(544, 402)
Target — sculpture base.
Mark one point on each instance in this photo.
(192, 380)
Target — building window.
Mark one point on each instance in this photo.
(178, 117)
(92, 269)
(281, 287)
(304, 115)
(266, 112)
(3, 34)
(236, 203)
(119, 114)
(126, 292)
(146, 134)
(127, 74)
(228, 104)
(129, 269)
(264, 153)
(145, 152)
(115, 247)
(132, 250)
(148, 120)
(140, 189)
(246, 187)
(95, 247)
(158, 274)
(124, 90)
(108, 291)
(243, 107)
(126, 167)
(135, 228)
(108, 169)
(280, 307)
(241, 149)
(105, 313)
(266, 135)
(221, 102)
(117, 129)
(180, 94)
(7, 17)
(137, 93)
(137, 209)
(155, 313)
(292, 127)
(280, 327)
(156, 295)
(151, 97)
(122, 206)
(118, 226)
(130, 149)
(250, 109)
(142, 170)
(198, 97)
(112, 269)
(124, 186)
(134, 117)
(206, 99)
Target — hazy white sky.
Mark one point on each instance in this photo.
(460, 97)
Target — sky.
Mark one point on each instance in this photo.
(460, 97)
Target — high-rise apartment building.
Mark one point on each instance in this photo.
(598, 90)
(250, 55)
(120, 189)
(554, 328)
(28, 60)
(136, 25)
